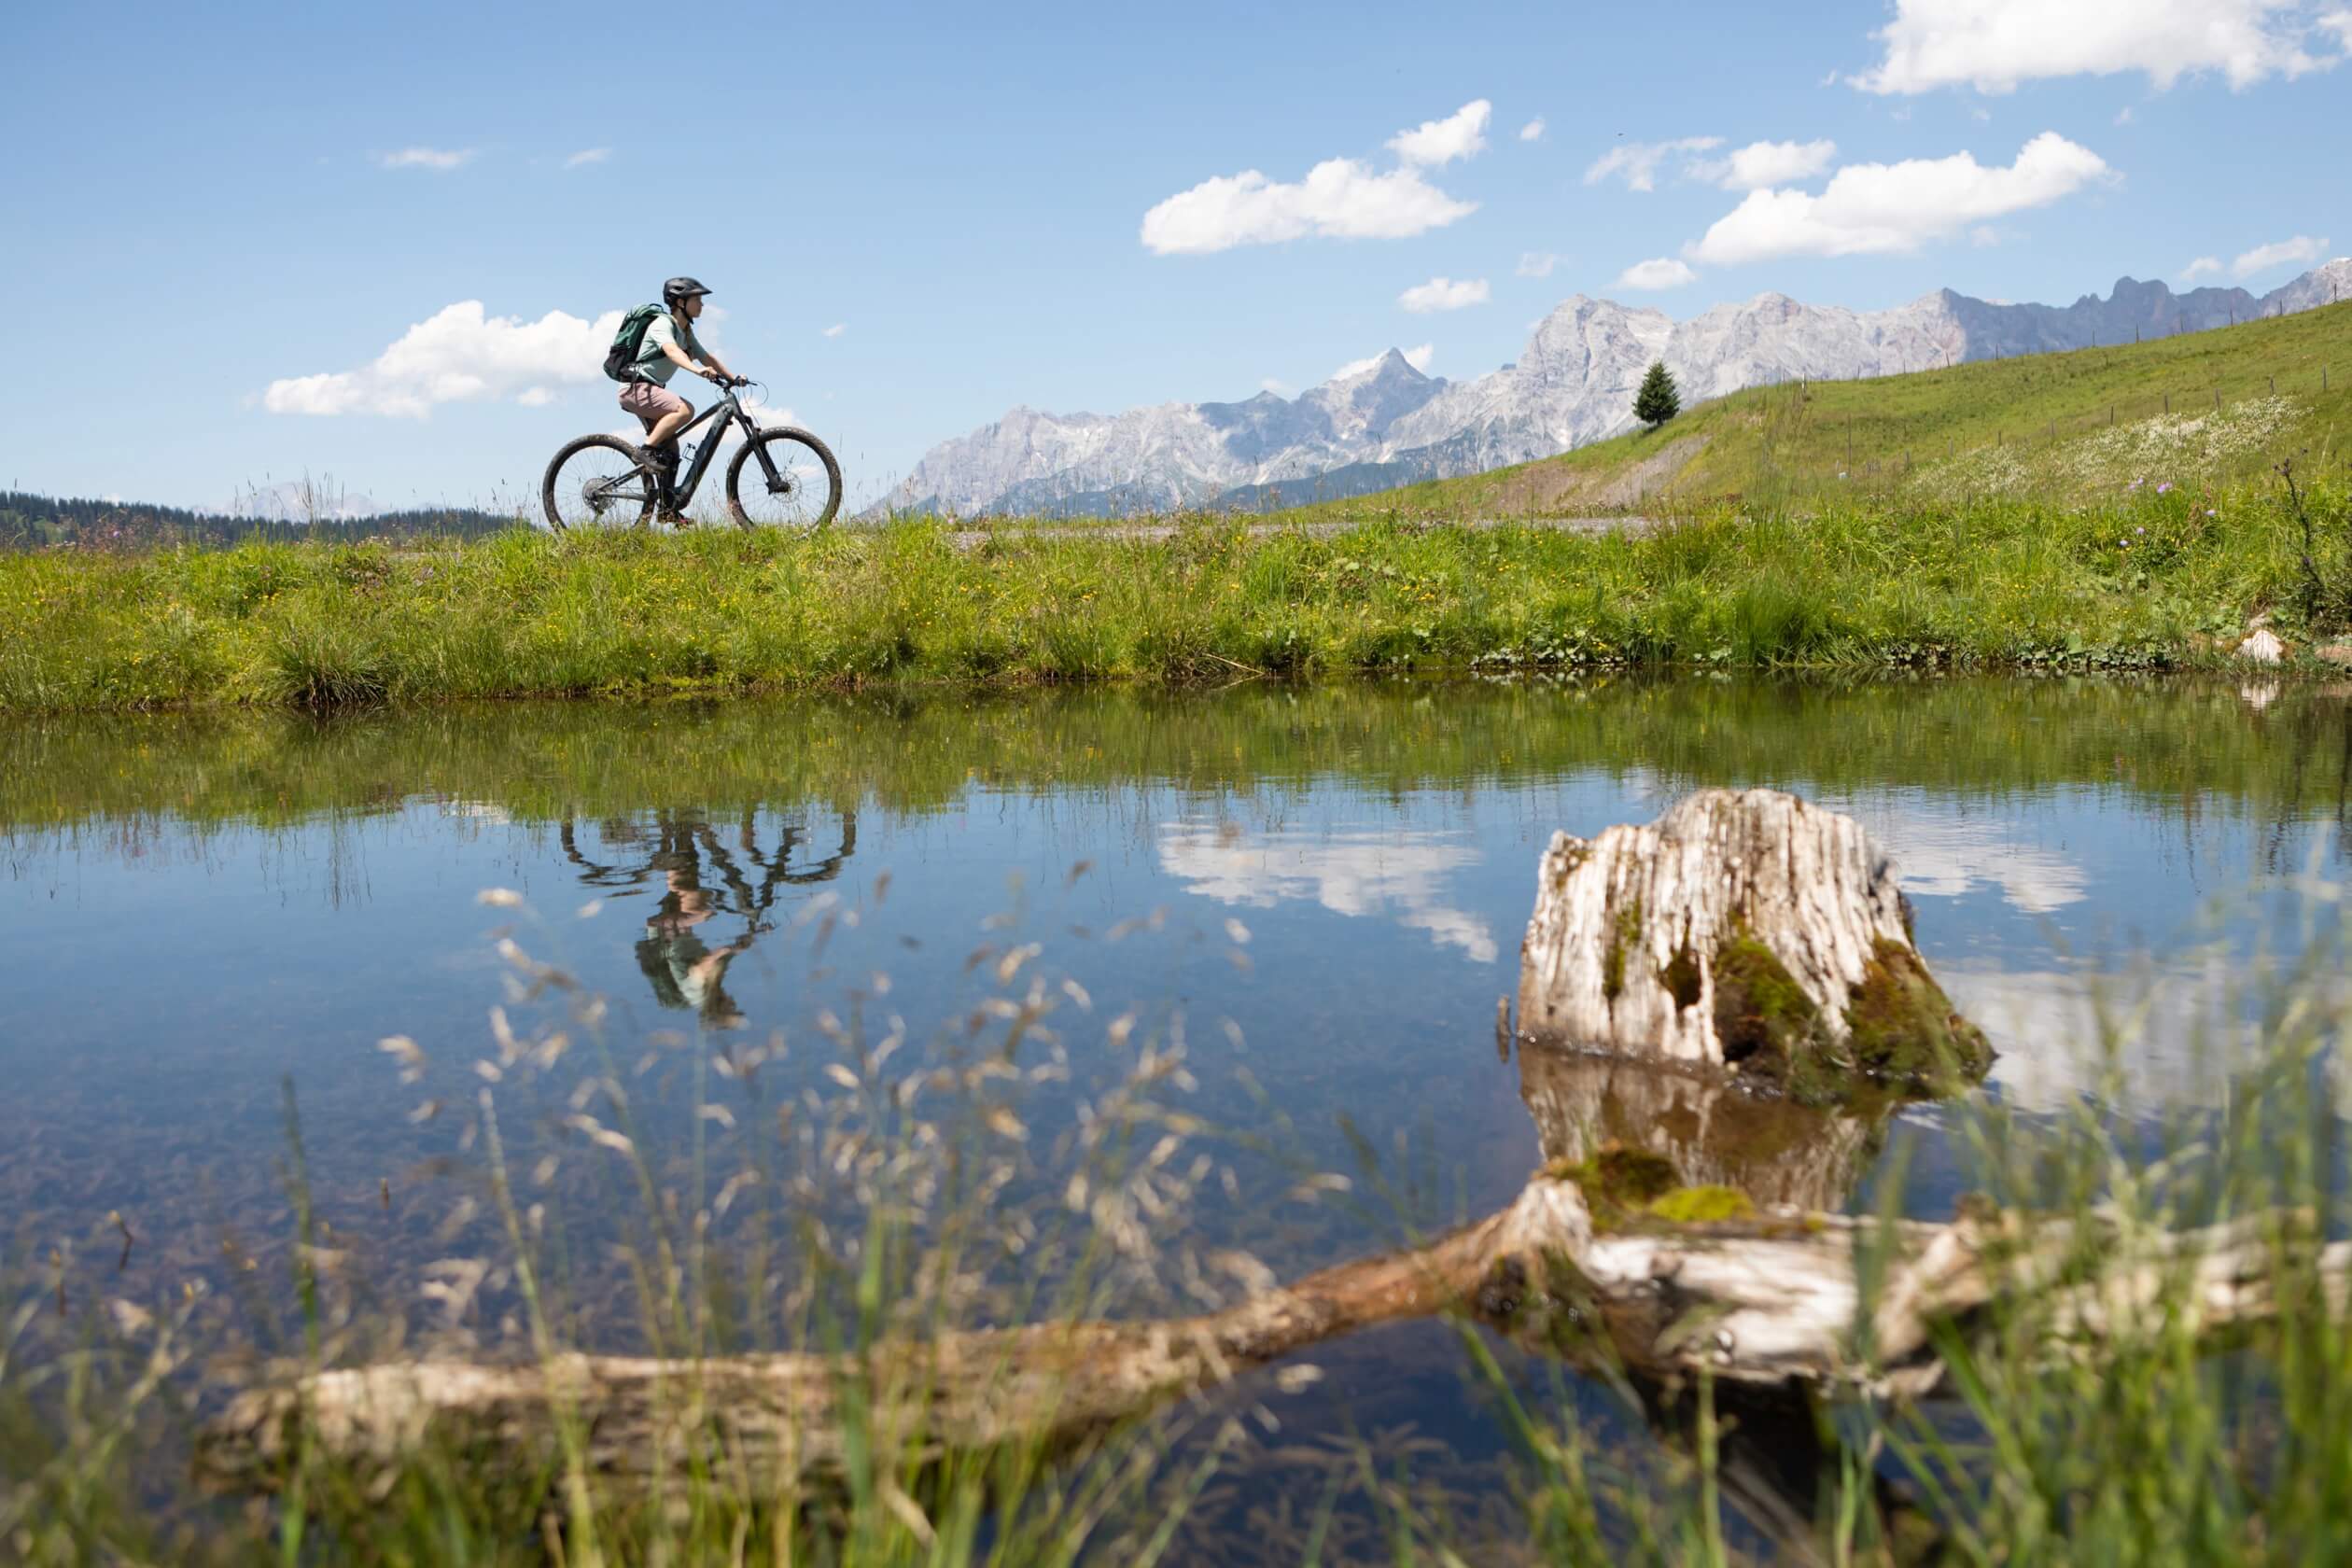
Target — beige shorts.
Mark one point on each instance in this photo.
(650, 403)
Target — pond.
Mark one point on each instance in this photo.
(1316, 894)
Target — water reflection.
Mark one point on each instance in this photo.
(1393, 873)
(1711, 1131)
(1946, 854)
(682, 850)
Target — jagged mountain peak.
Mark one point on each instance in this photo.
(1381, 421)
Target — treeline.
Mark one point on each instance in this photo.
(30, 522)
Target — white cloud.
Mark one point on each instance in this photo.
(2203, 266)
(1435, 143)
(427, 157)
(1984, 236)
(1340, 197)
(1994, 44)
(1420, 357)
(1537, 263)
(2261, 259)
(459, 355)
(1532, 131)
(1443, 294)
(1759, 164)
(1891, 208)
(2123, 115)
(835, 329)
(587, 155)
(1636, 162)
(1660, 271)
(1275, 385)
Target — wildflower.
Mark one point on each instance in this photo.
(2137, 483)
(2140, 530)
(2165, 488)
(2210, 512)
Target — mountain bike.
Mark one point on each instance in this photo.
(780, 478)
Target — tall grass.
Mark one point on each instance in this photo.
(2147, 580)
(921, 1191)
(584, 1208)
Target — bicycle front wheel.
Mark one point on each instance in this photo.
(597, 482)
(784, 478)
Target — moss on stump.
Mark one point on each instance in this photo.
(1902, 1030)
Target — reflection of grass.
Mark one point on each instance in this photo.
(2136, 580)
(2193, 746)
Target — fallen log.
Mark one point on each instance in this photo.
(1771, 1302)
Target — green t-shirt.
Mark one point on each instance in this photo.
(656, 366)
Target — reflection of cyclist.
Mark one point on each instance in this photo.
(669, 346)
(685, 971)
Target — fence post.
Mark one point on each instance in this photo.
(2217, 397)
(2168, 402)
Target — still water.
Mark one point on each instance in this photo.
(1318, 893)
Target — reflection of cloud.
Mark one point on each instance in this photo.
(2173, 1041)
(1943, 855)
(1395, 874)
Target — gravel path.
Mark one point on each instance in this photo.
(1151, 533)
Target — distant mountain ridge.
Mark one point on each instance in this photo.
(1384, 422)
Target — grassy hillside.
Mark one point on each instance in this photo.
(2202, 407)
(2141, 580)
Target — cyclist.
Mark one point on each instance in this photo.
(670, 345)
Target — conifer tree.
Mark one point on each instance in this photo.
(1659, 399)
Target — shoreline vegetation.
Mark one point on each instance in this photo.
(2157, 576)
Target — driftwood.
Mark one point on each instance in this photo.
(1742, 931)
(1767, 1304)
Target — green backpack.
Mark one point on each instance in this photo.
(621, 357)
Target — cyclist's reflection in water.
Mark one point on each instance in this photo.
(679, 962)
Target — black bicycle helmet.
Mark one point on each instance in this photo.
(678, 289)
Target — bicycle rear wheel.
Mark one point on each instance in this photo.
(598, 482)
(804, 491)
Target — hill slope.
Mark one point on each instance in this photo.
(2207, 405)
(1382, 421)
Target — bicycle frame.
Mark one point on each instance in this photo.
(708, 451)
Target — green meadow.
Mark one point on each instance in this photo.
(2142, 581)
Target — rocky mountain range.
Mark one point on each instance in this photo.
(1383, 423)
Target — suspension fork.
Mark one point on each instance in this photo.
(776, 481)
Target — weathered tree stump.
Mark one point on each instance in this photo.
(1743, 930)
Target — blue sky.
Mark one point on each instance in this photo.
(218, 217)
